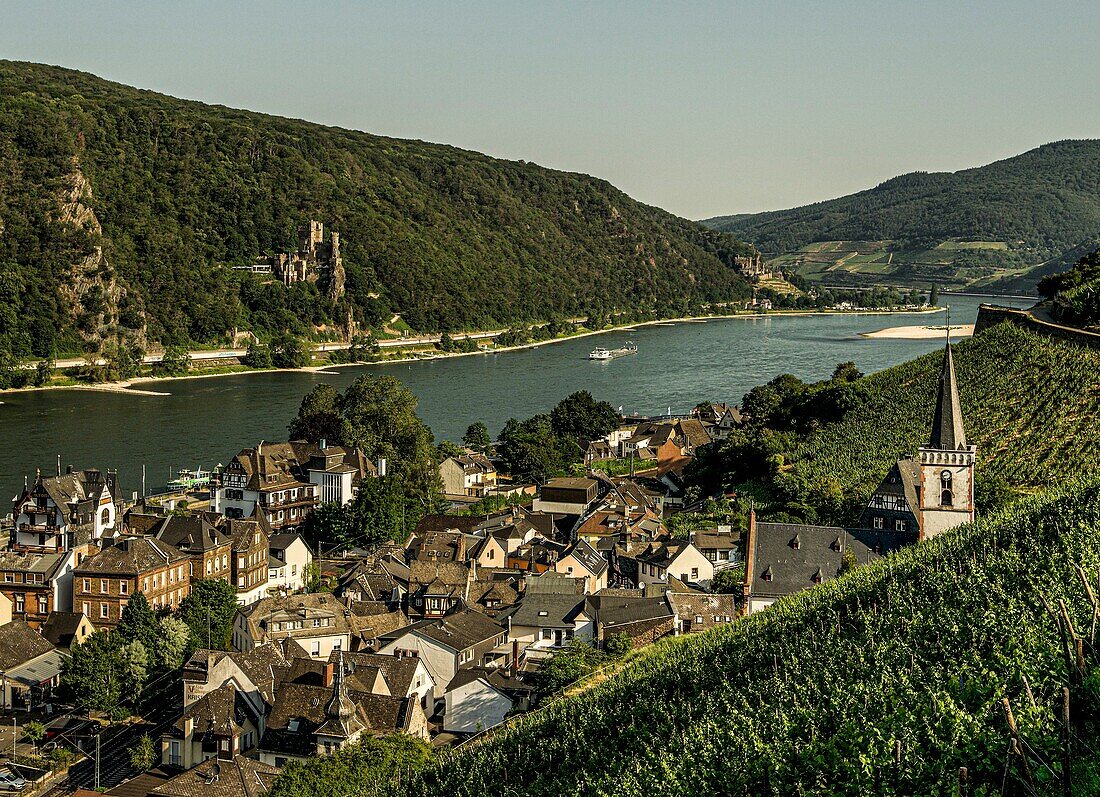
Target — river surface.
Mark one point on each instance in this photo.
(204, 422)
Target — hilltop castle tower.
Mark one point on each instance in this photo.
(946, 462)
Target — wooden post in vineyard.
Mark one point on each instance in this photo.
(1016, 746)
(964, 776)
(1067, 742)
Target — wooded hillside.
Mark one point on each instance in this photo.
(122, 211)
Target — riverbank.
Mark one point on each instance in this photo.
(130, 386)
(920, 332)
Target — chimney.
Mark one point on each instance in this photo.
(515, 655)
(329, 674)
(323, 444)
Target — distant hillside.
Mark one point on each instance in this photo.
(1073, 297)
(1003, 225)
(122, 210)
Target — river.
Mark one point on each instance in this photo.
(206, 421)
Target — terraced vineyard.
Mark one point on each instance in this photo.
(1031, 404)
(886, 681)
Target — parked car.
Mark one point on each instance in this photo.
(9, 781)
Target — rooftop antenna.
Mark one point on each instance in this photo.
(59, 464)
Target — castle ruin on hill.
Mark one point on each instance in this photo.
(315, 261)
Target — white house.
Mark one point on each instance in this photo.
(61, 512)
(584, 562)
(473, 704)
(678, 558)
(289, 562)
(548, 620)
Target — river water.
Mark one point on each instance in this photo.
(204, 422)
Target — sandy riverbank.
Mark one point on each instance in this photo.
(920, 332)
(130, 386)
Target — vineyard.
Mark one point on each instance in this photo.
(888, 680)
(1031, 404)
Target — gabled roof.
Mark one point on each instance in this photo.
(241, 777)
(399, 671)
(546, 610)
(948, 433)
(221, 712)
(458, 631)
(190, 533)
(587, 556)
(60, 628)
(19, 643)
(131, 556)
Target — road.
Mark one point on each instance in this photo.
(222, 354)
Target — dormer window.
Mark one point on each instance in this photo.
(796, 543)
(767, 574)
(817, 577)
(837, 545)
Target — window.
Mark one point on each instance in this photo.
(43, 604)
(104, 585)
(880, 522)
(123, 587)
(899, 525)
(19, 604)
(946, 496)
(10, 578)
(209, 565)
(547, 633)
(695, 574)
(240, 562)
(104, 610)
(698, 619)
(316, 650)
(87, 609)
(87, 585)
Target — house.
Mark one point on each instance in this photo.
(721, 419)
(566, 496)
(222, 723)
(468, 475)
(62, 512)
(65, 629)
(783, 558)
(30, 667)
(475, 701)
(545, 620)
(696, 612)
(207, 546)
(436, 546)
(318, 622)
(239, 776)
(721, 546)
(584, 562)
(680, 558)
(289, 562)
(105, 581)
(435, 588)
(640, 617)
(402, 676)
(465, 638)
(249, 560)
(38, 583)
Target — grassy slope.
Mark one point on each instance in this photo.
(811, 696)
(449, 238)
(1031, 405)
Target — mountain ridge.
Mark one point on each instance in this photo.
(182, 190)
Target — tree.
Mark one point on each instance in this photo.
(138, 623)
(846, 372)
(257, 356)
(288, 352)
(728, 581)
(143, 754)
(477, 437)
(104, 672)
(580, 417)
(565, 668)
(34, 732)
(934, 295)
(448, 449)
(173, 639)
(174, 362)
(318, 417)
(209, 611)
(356, 770)
(43, 372)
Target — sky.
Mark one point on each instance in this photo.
(701, 108)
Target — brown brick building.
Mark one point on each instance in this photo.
(104, 582)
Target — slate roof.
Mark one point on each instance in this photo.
(131, 556)
(901, 482)
(399, 671)
(264, 665)
(190, 533)
(220, 712)
(45, 563)
(611, 610)
(60, 628)
(20, 643)
(692, 605)
(588, 556)
(241, 777)
(459, 631)
(546, 611)
(796, 557)
(717, 540)
(440, 522)
(948, 433)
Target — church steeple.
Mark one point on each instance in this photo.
(340, 709)
(948, 433)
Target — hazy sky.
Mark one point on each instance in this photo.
(701, 108)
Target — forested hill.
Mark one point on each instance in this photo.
(1019, 212)
(122, 211)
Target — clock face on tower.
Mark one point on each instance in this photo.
(945, 476)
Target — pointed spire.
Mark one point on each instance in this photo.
(340, 708)
(948, 433)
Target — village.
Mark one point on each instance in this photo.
(205, 634)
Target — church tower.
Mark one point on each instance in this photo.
(946, 462)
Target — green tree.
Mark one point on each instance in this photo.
(477, 437)
(318, 417)
(103, 672)
(143, 753)
(934, 295)
(208, 612)
(43, 372)
(257, 356)
(288, 352)
(173, 640)
(364, 768)
(138, 623)
(175, 361)
(728, 581)
(34, 732)
(564, 668)
(618, 645)
(580, 417)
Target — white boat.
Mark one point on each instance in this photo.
(611, 354)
